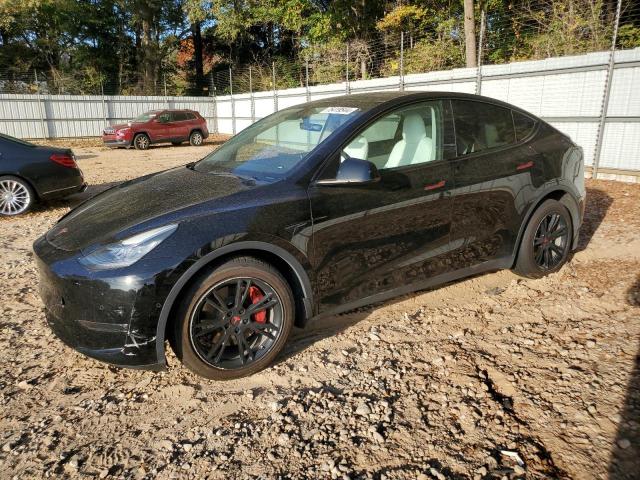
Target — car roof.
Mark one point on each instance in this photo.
(366, 101)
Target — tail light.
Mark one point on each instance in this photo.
(64, 159)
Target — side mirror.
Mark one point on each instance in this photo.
(354, 171)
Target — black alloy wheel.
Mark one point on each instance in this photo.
(550, 241)
(546, 242)
(235, 320)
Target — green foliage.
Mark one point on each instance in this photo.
(139, 46)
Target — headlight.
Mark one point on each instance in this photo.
(128, 251)
(122, 131)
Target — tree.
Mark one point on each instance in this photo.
(470, 34)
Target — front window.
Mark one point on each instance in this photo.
(269, 149)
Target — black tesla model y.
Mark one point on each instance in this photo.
(314, 210)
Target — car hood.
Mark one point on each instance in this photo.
(118, 209)
(119, 126)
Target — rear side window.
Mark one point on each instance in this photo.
(481, 126)
(178, 116)
(523, 124)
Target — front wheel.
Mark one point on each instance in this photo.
(546, 242)
(16, 196)
(234, 321)
(141, 141)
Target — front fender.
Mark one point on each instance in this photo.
(210, 257)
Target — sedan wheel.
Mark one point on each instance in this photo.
(16, 196)
(195, 139)
(235, 321)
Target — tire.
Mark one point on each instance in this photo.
(546, 242)
(16, 196)
(176, 144)
(196, 139)
(212, 320)
(141, 141)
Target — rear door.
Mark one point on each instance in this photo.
(386, 236)
(493, 175)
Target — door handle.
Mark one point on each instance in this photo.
(434, 186)
(524, 166)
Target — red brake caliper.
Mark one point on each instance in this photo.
(255, 295)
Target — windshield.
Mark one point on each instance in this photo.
(270, 148)
(16, 140)
(145, 117)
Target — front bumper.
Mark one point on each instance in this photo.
(109, 319)
(112, 141)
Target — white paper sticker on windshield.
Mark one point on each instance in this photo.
(340, 110)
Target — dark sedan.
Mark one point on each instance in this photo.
(314, 210)
(29, 173)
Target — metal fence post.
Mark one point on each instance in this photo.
(233, 105)
(275, 93)
(480, 42)
(347, 86)
(42, 107)
(401, 79)
(215, 106)
(105, 113)
(253, 100)
(607, 92)
(306, 81)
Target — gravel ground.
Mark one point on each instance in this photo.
(490, 377)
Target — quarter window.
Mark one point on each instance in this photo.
(481, 126)
(413, 135)
(523, 124)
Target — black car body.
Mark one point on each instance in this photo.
(49, 172)
(339, 241)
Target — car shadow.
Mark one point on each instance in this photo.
(598, 203)
(624, 463)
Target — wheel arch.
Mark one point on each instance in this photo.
(24, 179)
(282, 260)
(562, 195)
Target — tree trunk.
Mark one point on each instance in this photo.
(197, 56)
(470, 34)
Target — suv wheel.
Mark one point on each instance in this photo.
(141, 141)
(195, 139)
(234, 321)
(16, 196)
(546, 242)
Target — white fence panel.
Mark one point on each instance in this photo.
(568, 92)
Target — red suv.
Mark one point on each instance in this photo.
(158, 126)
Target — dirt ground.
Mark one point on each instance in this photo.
(491, 377)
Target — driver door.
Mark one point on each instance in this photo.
(383, 238)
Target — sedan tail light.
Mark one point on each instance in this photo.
(64, 159)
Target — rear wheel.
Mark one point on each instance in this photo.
(196, 139)
(234, 321)
(16, 196)
(141, 141)
(546, 242)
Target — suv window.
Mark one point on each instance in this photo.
(481, 126)
(523, 124)
(164, 117)
(178, 116)
(412, 135)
